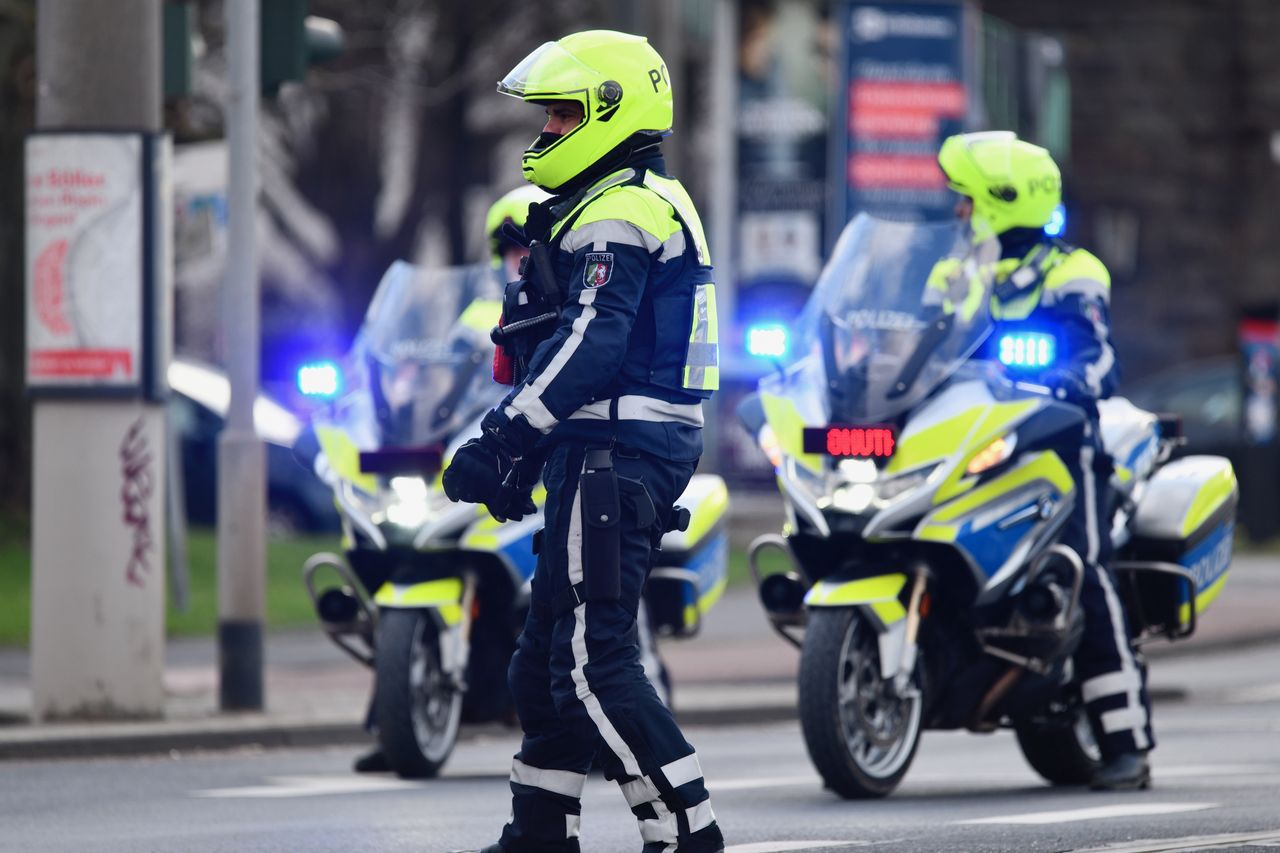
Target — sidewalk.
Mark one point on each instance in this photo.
(736, 670)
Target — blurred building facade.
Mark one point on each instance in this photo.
(1175, 162)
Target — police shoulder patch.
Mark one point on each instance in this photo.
(599, 269)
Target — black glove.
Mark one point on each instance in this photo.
(514, 499)
(1068, 385)
(476, 473)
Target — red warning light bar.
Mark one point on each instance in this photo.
(850, 442)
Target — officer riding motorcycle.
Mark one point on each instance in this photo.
(1009, 190)
(609, 342)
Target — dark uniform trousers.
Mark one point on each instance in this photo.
(579, 686)
(1113, 678)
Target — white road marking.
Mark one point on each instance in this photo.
(308, 786)
(1096, 813)
(714, 785)
(1201, 770)
(785, 846)
(1252, 695)
(1191, 842)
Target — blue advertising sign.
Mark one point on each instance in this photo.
(903, 89)
(1260, 353)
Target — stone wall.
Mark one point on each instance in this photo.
(1172, 179)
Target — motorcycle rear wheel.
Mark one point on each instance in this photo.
(416, 705)
(860, 735)
(1060, 747)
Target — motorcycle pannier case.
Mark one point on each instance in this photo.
(689, 571)
(1176, 562)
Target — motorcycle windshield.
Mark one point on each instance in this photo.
(420, 368)
(875, 336)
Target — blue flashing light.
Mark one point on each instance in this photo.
(1028, 350)
(768, 340)
(320, 379)
(1057, 222)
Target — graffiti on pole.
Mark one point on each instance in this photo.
(138, 485)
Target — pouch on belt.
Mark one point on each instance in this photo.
(601, 527)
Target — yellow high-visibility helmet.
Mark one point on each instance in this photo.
(512, 207)
(1013, 183)
(619, 80)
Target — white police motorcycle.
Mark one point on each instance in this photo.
(432, 594)
(924, 499)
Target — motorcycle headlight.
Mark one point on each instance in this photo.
(854, 497)
(892, 487)
(408, 505)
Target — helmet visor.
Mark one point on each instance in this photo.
(550, 70)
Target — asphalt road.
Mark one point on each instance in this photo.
(1217, 770)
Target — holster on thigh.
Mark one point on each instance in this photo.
(601, 527)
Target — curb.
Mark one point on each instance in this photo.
(182, 738)
(100, 740)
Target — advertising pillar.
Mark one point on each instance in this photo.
(97, 349)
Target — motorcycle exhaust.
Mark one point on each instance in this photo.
(346, 615)
(337, 606)
(783, 597)
(982, 721)
(1052, 591)
(1044, 624)
(781, 593)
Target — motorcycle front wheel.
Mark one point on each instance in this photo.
(861, 735)
(416, 705)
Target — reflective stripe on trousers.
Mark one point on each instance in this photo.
(1113, 680)
(579, 686)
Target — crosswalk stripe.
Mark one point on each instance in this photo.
(1192, 842)
(786, 846)
(1095, 813)
(307, 786)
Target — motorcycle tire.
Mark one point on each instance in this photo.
(415, 704)
(1061, 748)
(861, 738)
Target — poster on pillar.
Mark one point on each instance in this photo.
(906, 83)
(94, 262)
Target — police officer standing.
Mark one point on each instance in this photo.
(612, 338)
(1010, 189)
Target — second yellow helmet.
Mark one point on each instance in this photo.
(1013, 183)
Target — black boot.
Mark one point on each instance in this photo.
(374, 761)
(1124, 772)
(705, 840)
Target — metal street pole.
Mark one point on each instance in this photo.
(98, 463)
(241, 455)
(724, 203)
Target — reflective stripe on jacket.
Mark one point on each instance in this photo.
(638, 323)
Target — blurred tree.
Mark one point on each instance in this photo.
(17, 113)
(390, 144)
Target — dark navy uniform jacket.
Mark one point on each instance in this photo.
(638, 325)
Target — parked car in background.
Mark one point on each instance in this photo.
(1206, 394)
(296, 500)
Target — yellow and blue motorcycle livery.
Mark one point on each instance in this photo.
(432, 594)
(924, 498)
